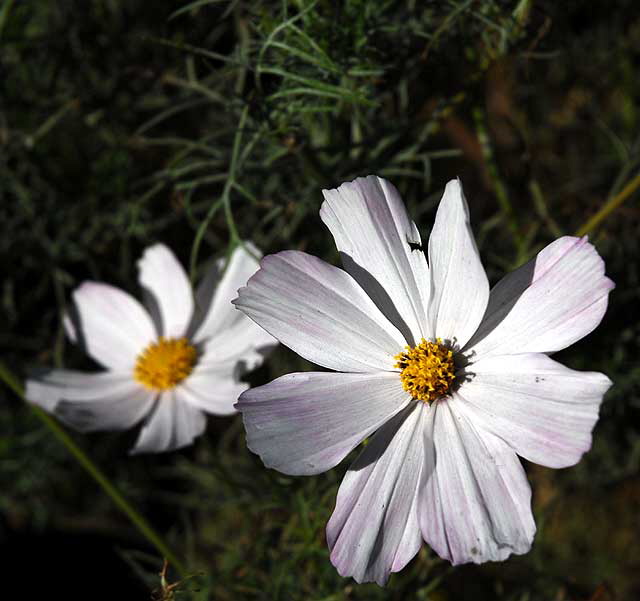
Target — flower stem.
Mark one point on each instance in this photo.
(225, 200)
(611, 205)
(94, 471)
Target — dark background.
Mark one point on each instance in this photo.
(126, 123)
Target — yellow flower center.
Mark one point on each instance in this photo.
(165, 363)
(427, 370)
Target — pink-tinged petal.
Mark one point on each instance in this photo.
(475, 501)
(113, 326)
(542, 409)
(374, 528)
(547, 304)
(161, 274)
(88, 402)
(459, 284)
(321, 313)
(306, 423)
(173, 424)
(214, 311)
(380, 248)
(214, 388)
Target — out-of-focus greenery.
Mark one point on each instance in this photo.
(202, 123)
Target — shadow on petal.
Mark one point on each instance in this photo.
(378, 295)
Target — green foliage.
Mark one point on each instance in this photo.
(204, 123)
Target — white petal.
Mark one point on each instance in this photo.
(460, 289)
(543, 409)
(48, 388)
(375, 236)
(214, 310)
(547, 304)
(475, 501)
(244, 345)
(214, 386)
(113, 327)
(88, 402)
(306, 423)
(70, 328)
(163, 276)
(374, 528)
(173, 424)
(320, 312)
(214, 389)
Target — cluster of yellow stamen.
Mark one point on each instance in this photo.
(428, 370)
(165, 363)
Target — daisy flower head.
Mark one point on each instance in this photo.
(167, 364)
(451, 380)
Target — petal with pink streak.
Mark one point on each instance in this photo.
(544, 410)
(475, 501)
(374, 528)
(380, 248)
(321, 313)
(547, 304)
(459, 285)
(306, 423)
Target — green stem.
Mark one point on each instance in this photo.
(4, 14)
(225, 200)
(611, 205)
(94, 471)
(499, 188)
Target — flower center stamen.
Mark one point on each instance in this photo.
(428, 370)
(165, 363)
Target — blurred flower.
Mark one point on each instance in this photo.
(453, 379)
(168, 365)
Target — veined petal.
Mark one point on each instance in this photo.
(113, 326)
(547, 304)
(173, 424)
(374, 528)
(306, 423)
(320, 312)
(214, 311)
(542, 409)
(162, 275)
(375, 236)
(475, 505)
(88, 402)
(460, 289)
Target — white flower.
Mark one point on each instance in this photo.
(167, 365)
(454, 380)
